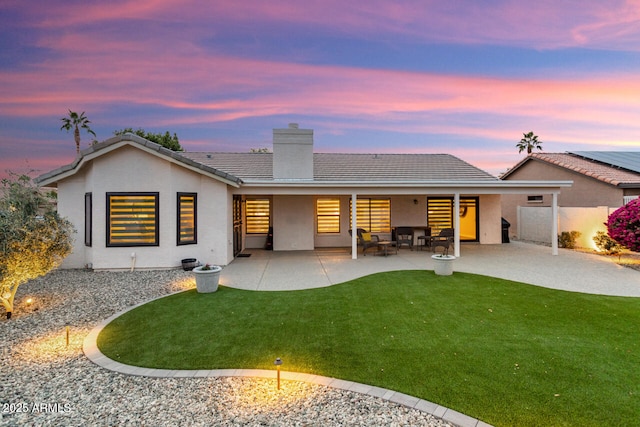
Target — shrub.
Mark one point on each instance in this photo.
(623, 225)
(33, 238)
(606, 244)
(567, 239)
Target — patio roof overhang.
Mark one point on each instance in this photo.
(455, 188)
(310, 187)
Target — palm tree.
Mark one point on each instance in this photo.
(529, 142)
(76, 122)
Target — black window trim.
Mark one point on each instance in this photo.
(88, 219)
(195, 218)
(156, 196)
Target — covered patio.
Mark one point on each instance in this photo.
(523, 262)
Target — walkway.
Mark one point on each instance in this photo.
(275, 271)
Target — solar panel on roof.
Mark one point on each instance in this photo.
(629, 160)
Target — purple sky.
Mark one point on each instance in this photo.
(460, 77)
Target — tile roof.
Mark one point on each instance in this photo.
(602, 172)
(178, 156)
(351, 167)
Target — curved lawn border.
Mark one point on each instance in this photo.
(93, 353)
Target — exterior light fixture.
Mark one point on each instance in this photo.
(278, 363)
(29, 301)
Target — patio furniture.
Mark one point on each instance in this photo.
(444, 240)
(425, 239)
(383, 246)
(404, 236)
(366, 240)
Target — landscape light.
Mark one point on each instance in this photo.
(278, 363)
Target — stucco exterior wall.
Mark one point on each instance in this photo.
(132, 170)
(293, 223)
(585, 191)
(534, 223)
(490, 229)
(71, 206)
(405, 212)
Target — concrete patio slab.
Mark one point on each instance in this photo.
(523, 262)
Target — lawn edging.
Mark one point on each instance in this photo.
(93, 353)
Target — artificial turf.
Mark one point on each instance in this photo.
(500, 351)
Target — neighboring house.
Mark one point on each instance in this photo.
(602, 182)
(135, 203)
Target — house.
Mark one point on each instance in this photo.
(137, 204)
(602, 182)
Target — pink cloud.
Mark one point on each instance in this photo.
(106, 56)
(545, 24)
(215, 88)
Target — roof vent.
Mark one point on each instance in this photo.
(208, 156)
(293, 126)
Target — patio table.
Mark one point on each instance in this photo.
(383, 246)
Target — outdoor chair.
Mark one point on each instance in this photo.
(444, 240)
(404, 236)
(366, 240)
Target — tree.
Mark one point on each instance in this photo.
(166, 140)
(33, 238)
(529, 143)
(623, 225)
(76, 122)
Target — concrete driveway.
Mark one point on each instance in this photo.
(522, 262)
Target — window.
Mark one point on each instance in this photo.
(440, 215)
(534, 199)
(88, 219)
(187, 218)
(328, 215)
(132, 219)
(374, 215)
(258, 216)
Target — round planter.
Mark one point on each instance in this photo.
(443, 264)
(207, 280)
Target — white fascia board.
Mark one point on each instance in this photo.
(470, 183)
(403, 187)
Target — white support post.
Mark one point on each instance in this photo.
(354, 227)
(554, 224)
(456, 225)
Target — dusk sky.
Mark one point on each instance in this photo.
(461, 77)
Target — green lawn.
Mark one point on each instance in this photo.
(500, 351)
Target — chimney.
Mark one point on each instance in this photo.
(293, 153)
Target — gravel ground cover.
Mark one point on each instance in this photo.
(44, 381)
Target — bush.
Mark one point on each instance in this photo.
(33, 238)
(567, 239)
(623, 225)
(606, 244)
